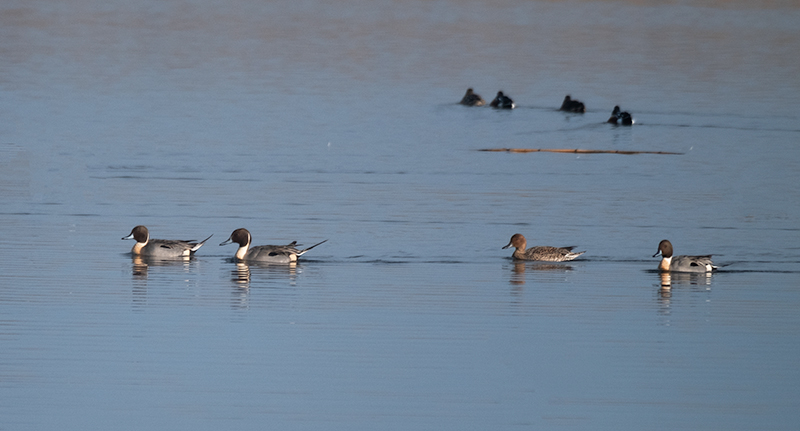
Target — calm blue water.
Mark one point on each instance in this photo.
(309, 121)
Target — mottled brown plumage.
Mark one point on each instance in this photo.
(542, 252)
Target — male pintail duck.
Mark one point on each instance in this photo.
(472, 99)
(264, 253)
(570, 105)
(162, 248)
(682, 263)
(543, 252)
(624, 117)
(502, 102)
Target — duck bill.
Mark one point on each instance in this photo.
(658, 253)
(128, 237)
(227, 241)
(507, 246)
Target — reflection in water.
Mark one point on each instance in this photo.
(687, 278)
(519, 267)
(140, 266)
(675, 279)
(242, 277)
(665, 291)
(518, 273)
(240, 295)
(139, 290)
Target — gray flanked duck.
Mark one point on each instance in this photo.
(264, 253)
(161, 248)
(620, 117)
(542, 252)
(501, 101)
(472, 99)
(670, 263)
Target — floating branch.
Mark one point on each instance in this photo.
(578, 151)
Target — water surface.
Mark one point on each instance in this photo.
(309, 121)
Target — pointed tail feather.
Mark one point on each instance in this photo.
(573, 255)
(301, 252)
(200, 244)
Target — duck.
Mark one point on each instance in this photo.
(501, 101)
(264, 253)
(623, 117)
(472, 99)
(542, 252)
(570, 105)
(162, 248)
(670, 263)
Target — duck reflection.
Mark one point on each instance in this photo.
(519, 267)
(242, 275)
(139, 289)
(140, 268)
(670, 280)
(240, 294)
(246, 273)
(665, 291)
(141, 264)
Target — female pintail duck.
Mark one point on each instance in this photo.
(264, 253)
(570, 105)
(472, 99)
(682, 263)
(162, 248)
(502, 102)
(543, 252)
(623, 117)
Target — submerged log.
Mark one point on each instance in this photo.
(577, 151)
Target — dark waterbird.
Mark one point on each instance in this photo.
(570, 105)
(501, 101)
(472, 99)
(620, 117)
